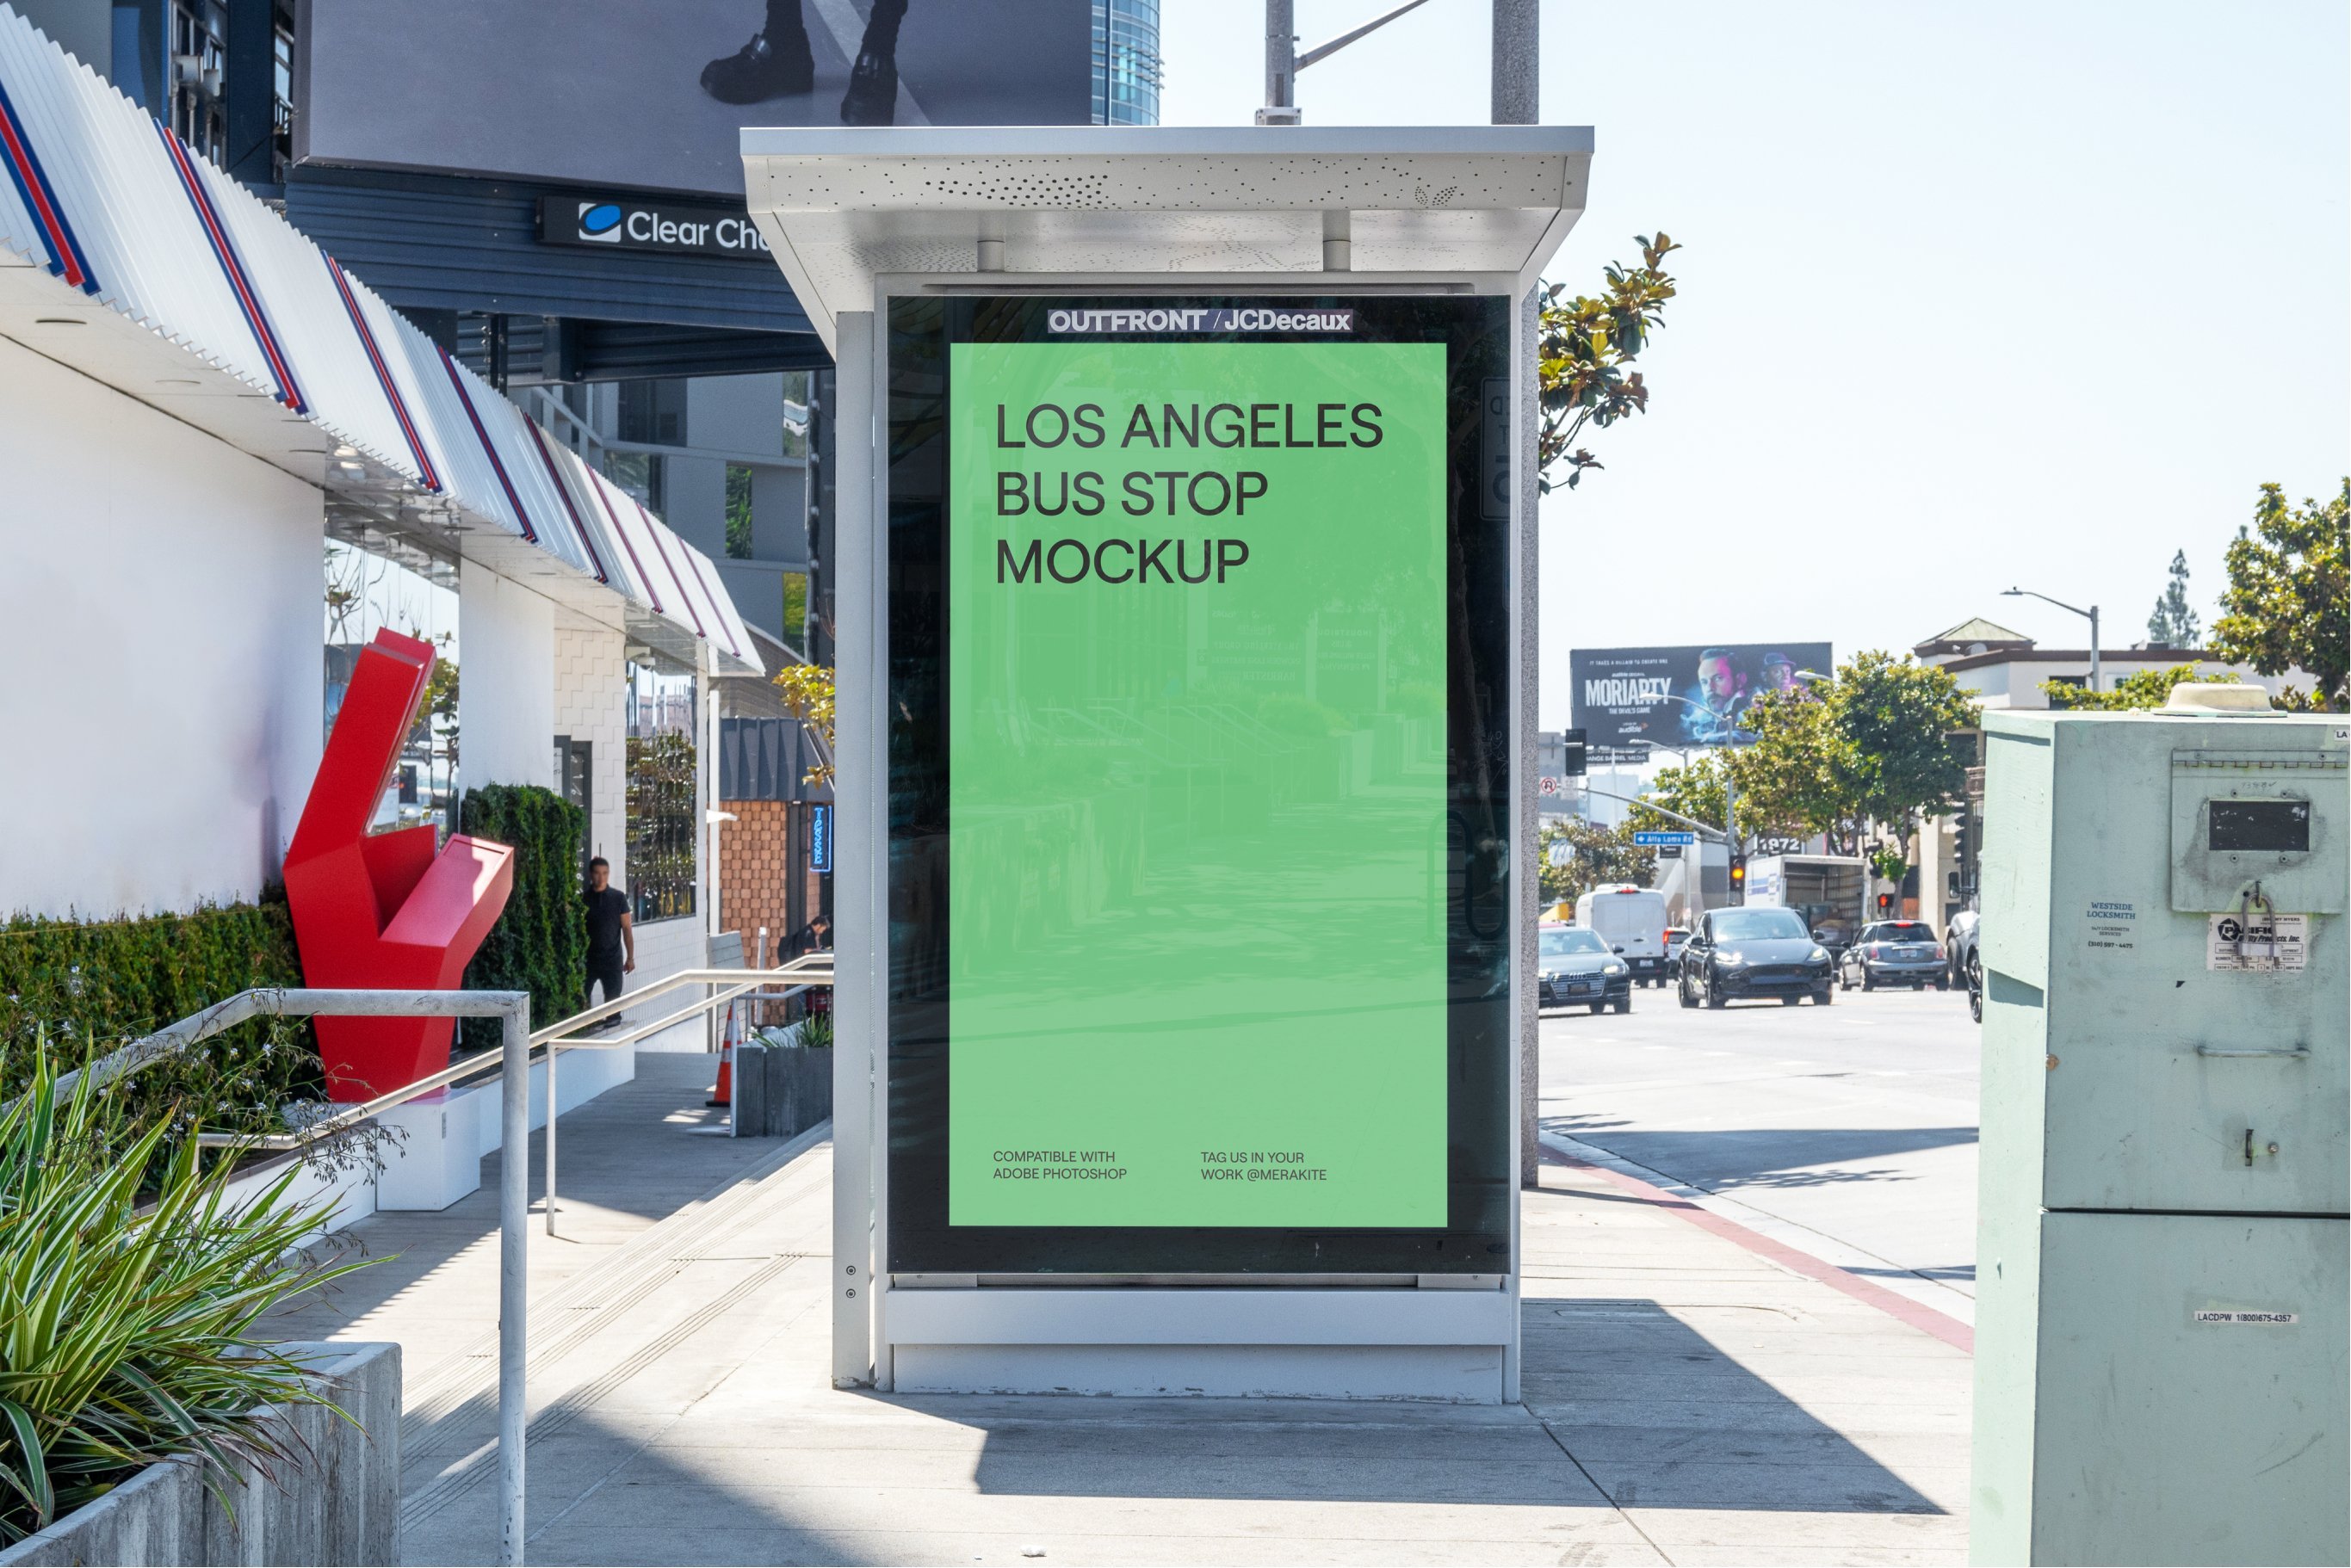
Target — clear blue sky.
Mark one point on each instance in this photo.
(1974, 294)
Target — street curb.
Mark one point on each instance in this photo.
(1917, 1315)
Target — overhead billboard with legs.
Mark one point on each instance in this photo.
(1630, 700)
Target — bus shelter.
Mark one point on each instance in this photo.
(1186, 747)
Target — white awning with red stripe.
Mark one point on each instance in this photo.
(127, 257)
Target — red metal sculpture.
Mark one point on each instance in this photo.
(383, 909)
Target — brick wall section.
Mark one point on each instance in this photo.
(758, 857)
(590, 704)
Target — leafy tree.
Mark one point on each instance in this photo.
(1866, 746)
(1890, 717)
(809, 696)
(1594, 854)
(1695, 790)
(2146, 689)
(1584, 350)
(2288, 602)
(1795, 777)
(2174, 624)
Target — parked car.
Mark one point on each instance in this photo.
(1632, 920)
(1959, 944)
(1736, 953)
(1676, 937)
(1975, 984)
(1575, 967)
(1895, 952)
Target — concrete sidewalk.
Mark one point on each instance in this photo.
(1688, 1398)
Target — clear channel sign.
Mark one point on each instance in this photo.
(1187, 805)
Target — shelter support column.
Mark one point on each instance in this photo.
(861, 859)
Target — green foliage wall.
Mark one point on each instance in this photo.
(540, 942)
(96, 983)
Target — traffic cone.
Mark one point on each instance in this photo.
(724, 1094)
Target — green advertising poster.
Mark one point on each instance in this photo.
(1196, 709)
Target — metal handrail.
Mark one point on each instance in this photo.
(811, 970)
(512, 1057)
(512, 1008)
(808, 972)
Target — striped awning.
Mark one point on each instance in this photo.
(132, 259)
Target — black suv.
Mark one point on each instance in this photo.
(1739, 953)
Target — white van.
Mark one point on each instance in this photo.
(1633, 922)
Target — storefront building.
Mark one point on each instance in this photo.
(226, 464)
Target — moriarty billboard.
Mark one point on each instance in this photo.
(1628, 700)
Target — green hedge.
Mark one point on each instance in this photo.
(540, 942)
(96, 983)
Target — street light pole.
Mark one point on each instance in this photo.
(1280, 64)
(2091, 615)
(1284, 62)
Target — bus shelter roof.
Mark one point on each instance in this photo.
(1146, 206)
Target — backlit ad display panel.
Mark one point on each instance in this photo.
(1199, 794)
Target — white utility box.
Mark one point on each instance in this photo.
(2161, 1272)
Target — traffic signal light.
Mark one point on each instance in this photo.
(1884, 902)
(1738, 879)
(1572, 751)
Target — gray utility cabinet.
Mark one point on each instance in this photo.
(2162, 1277)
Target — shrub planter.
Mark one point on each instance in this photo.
(781, 1091)
(335, 1498)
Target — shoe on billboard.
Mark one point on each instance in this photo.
(765, 68)
(873, 96)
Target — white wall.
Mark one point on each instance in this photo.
(162, 604)
(506, 682)
(590, 704)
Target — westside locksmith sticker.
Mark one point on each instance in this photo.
(2110, 927)
(2261, 943)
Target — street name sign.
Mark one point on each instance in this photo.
(1652, 840)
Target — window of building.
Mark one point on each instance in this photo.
(653, 411)
(640, 475)
(796, 594)
(663, 809)
(281, 99)
(797, 390)
(1126, 62)
(368, 591)
(199, 29)
(738, 512)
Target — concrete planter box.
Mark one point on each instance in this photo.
(781, 1091)
(334, 1500)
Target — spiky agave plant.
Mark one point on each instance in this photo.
(127, 1335)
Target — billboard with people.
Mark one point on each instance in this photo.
(619, 94)
(1628, 700)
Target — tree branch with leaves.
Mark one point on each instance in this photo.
(1584, 350)
(808, 696)
(2288, 602)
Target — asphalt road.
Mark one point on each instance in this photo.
(1846, 1131)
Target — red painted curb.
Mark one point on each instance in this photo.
(1917, 1315)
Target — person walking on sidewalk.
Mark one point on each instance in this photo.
(612, 936)
(776, 63)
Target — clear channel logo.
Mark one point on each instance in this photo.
(601, 222)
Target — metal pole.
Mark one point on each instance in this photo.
(550, 1139)
(514, 1272)
(1730, 828)
(1517, 62)
(2093, 648)
(1280, 64)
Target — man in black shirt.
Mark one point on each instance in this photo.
(612, 937)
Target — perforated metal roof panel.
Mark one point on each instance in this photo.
(840, 208)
